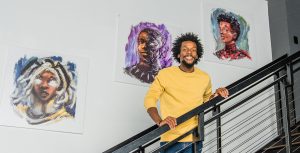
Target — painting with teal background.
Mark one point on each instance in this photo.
(230, 32)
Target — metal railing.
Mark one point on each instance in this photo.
(261, 107)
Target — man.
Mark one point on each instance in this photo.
(229, 28)
(180, 89)
(44, 91)
(149, 41)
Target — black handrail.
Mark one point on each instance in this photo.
(155, 131)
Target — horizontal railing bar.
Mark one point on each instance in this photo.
(253, 135)
(265, 138)
(249, 117)
(238, 93)
(258, 96)
(282, 58)
(224, 133)
(279, 136)
(234, 127)
(244, 100)
(251, 128)
(238, 125)
(270, 124)
(296, 69)
(252, 85)
(296, 61)
(261, 73)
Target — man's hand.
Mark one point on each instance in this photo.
(221, 92)
(171, 121)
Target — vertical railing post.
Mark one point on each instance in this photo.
(218, 124)
(200, 131)
(290, 82)
(195, 146)
(201, 126)
(286, 117)
(278, 106)
(141, 149)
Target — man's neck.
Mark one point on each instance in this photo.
(186, 69)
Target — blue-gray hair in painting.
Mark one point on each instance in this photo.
(45, 89)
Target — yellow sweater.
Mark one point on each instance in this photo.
(178, 92)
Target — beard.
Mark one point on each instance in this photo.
(188, 65)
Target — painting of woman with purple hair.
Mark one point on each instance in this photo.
(148, 50)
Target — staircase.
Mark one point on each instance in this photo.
(259, 116)
(278, 144)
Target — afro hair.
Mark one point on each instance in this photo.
(187, 37)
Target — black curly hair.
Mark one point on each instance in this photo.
(235, 26)
(187, 37)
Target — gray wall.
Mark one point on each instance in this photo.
(284, 17)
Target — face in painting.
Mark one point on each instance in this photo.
(188, 53)
(45, 86)
(227, 35)
(142, 44)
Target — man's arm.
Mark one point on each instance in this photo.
(171, 121)
(153, 94)
(152, 111)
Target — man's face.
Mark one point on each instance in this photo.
(142, 41)
(188, 53)
(227, 35)
(45, 86)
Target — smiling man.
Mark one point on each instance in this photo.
(180, 89)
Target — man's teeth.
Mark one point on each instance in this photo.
(188, 57)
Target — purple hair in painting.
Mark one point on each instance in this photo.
(148, 50)
(45, 89)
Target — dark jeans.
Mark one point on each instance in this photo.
(182, 147)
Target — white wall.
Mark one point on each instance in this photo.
(114, 111)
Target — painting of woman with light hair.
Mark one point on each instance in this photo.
(45, 89)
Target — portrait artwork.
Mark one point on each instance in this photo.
(45, 89)
(230, 35)
(230, 32)
(147, 51)
(143, 47)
